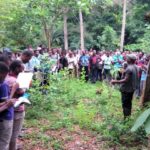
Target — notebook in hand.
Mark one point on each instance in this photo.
(20, 101)
(24, 79)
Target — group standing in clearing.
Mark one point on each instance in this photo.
(128, 69)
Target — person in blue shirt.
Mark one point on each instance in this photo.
(117, 60)
(143, 78)
(6, 110)
(84, 64)
(118, 64)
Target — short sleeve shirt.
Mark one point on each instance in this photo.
(84, 60)
(107, 62)
(132, 83)
(4, 95)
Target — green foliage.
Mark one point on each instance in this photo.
(35, 22)
(142, 43)
(109, 39)
(84, 116)
(69, 102)
(143, 120)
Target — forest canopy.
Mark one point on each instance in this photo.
(29, 22)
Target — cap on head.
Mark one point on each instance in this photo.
(131, 57)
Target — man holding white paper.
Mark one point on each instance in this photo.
(25, 58)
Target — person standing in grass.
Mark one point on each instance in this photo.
(107, 60)
(19, 113)
(6, 109)
(129, 84)
(93, 67)
(84, 65)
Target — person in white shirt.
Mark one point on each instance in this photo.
(76, 58)
(107, 60)
(71, 63)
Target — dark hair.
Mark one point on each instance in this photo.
(15, 64)
(3, 68)
(4, 59)
(27, 53)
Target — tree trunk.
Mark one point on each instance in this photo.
(123, 25)
(81, 30)
(146, 91)
(49, 40)
(47, 35)
(65, 30)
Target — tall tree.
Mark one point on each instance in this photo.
(123, 25)
(81, 30)
(146, 92)
(65, 29)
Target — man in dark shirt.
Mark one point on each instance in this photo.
(129, 84)
(63, 62)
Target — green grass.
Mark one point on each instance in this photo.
(70, 102)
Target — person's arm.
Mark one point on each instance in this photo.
(3, 103)
(13, 90)
(7, 104)
(121, 81)
(144, 68)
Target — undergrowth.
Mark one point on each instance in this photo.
(66, 103)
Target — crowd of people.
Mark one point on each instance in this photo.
(126, 68)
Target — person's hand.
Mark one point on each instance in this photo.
(11, 102)
(113, 81)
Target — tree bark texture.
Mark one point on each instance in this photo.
(81, 30)
(146, 91)
(47, 35)
(123, 24)
(65, 31)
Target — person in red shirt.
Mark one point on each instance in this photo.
(93, 67)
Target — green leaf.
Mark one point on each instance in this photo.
(147, 126)
(141, 120)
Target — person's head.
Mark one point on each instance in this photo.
(41, 52)
(107, 54)
(125, 65)
(4, 69)
(141, 54)
(5, 59)
(70, 54)
(63, 54)
(131, 59)
(94, 52)
(117, 53)
(83, 52)
(50, 53)
(16, 67)
(36, 53)
(26, 56)
(7, 52)
(75, 53)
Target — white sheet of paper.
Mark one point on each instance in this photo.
(24, 79)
